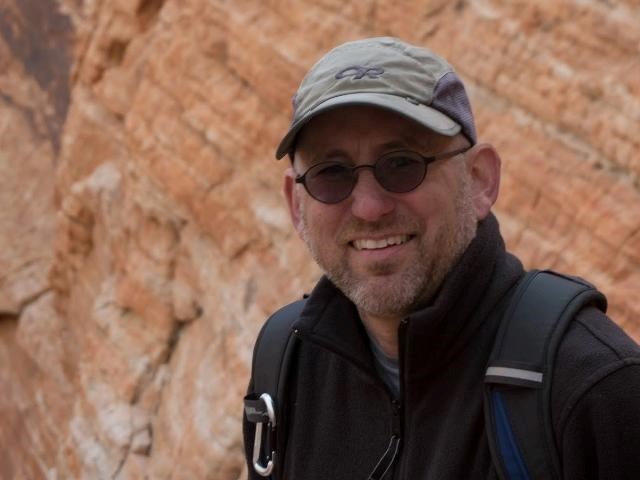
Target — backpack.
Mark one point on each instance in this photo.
(517, 383)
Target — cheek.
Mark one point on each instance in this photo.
(427, 204)
(321, 221)
(321, 217)
(439, 198)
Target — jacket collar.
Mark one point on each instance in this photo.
(480, 279)
(472, 290)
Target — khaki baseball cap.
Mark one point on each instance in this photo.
(388, 73)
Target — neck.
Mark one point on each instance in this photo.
(384, 330)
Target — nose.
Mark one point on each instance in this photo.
(369, 201)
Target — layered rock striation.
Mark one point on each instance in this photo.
(144, 237)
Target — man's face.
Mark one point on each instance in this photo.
(388, 252)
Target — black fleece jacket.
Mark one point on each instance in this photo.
(341, 416)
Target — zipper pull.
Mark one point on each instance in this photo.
(387, 460)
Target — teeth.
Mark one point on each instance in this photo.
(368, 244)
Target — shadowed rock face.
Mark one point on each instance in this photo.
(35, 66)
(40, 38)
(143, 237)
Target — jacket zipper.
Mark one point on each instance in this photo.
(390, 460)
(399, 415)
(390, 457)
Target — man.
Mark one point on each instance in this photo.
(392, 193)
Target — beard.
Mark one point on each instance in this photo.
(387, 290)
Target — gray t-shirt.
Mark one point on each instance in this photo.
(388, 368)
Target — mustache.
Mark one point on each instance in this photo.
(356, 227)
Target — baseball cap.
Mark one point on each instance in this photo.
(388, 73)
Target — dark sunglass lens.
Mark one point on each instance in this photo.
(330, 182)
(400, 172)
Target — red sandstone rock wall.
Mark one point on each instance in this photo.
(143, 234)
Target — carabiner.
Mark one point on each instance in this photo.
(264, 470)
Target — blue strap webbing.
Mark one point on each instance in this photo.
(507, 444)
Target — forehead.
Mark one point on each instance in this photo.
(350, 127)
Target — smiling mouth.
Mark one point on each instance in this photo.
(371, 244)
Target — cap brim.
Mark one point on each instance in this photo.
(422, 114)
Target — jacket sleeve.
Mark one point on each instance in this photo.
(601, 436)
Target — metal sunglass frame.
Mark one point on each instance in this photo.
(352, 170)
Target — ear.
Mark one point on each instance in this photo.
(483, 166)
(292, 197)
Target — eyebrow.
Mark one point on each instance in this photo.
(405, 142)
(422, 140)
(398, 144)
(330, 155)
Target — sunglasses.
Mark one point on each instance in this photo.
(397, 172)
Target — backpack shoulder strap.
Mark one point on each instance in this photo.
(518, 378)
(272, 356)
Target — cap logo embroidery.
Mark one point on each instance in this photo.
(358, 72)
